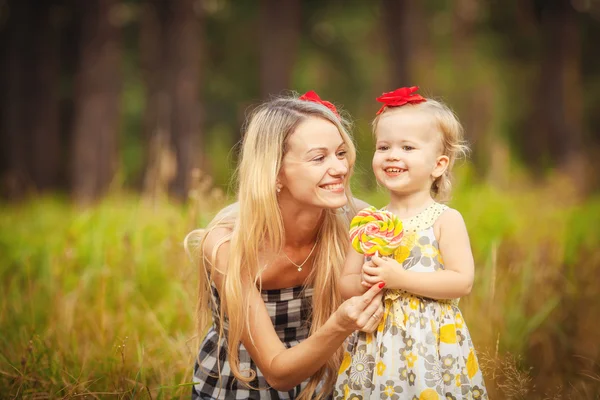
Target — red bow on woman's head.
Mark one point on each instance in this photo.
(314, 97)
(400, 97)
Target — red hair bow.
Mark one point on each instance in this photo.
(400, 97)
(314, 97)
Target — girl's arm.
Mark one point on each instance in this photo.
(350, 281)
(455, 281)
(286, 368)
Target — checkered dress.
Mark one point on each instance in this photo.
(289, 310)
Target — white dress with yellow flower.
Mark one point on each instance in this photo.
(422, 348)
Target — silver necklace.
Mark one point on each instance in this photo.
(299, 266)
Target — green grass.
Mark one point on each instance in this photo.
(99, 302)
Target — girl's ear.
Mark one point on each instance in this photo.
(441, 165)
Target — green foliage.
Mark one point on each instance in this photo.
(93, 296)
(101, 300)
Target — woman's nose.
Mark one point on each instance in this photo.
(339, 167)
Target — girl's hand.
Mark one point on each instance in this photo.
(380, 269)
(364, 275)
(361, 312)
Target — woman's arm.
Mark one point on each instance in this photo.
(350, 280)
(351, 275)
(285, 368)
(455, 281)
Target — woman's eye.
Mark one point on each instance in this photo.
(318, 159)
(342, 153)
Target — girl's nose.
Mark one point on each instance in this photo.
(393, 155)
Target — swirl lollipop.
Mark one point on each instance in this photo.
(375, 231)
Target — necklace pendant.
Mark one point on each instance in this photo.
(299, 269)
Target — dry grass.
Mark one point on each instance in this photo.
(99, 302)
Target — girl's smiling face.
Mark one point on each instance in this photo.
(408, 151)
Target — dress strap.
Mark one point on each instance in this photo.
(425, 219)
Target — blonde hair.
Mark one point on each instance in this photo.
(452, 140)
(256, 222)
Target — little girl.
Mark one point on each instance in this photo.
(422, 348)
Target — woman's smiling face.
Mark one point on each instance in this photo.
(315, 168)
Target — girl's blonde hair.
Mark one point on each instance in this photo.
(452, 139)
(255, 224)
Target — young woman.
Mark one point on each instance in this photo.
(271, 262)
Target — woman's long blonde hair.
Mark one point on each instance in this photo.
(256, 224)
(452, 140)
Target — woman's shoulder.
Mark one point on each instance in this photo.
(355, 206)
(360, 204)
(219, 232)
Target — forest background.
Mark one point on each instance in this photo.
(118, 126)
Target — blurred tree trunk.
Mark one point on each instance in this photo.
(96, 100)
(400, 31)
(559, 99)
(472, 97)
(43, 72)
(15, 176)
(170, 44)
(280, 31)
(183, 80)
(155, 130)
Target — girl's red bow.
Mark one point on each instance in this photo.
(400, 97)
(314, 97)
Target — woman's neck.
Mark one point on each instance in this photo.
(408, 205)
(301, 224)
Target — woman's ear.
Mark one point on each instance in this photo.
(441, 165)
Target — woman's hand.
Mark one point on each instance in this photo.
(377, 315)
(361, 312)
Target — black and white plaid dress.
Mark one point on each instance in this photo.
(289, 310)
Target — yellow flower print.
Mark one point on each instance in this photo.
(345, 362)
(369, 338)
(403, 251)
(459, 320)
(411, 358)
(429, 251)
(458, 382)
(380, 368)
(429, 394)
(401, 254)
(448, 333)
(346, 391)
(414, 303)
(472, 366)
(389, 391)
(440, 259)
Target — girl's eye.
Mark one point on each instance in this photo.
(407, 148)
(382, 148)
